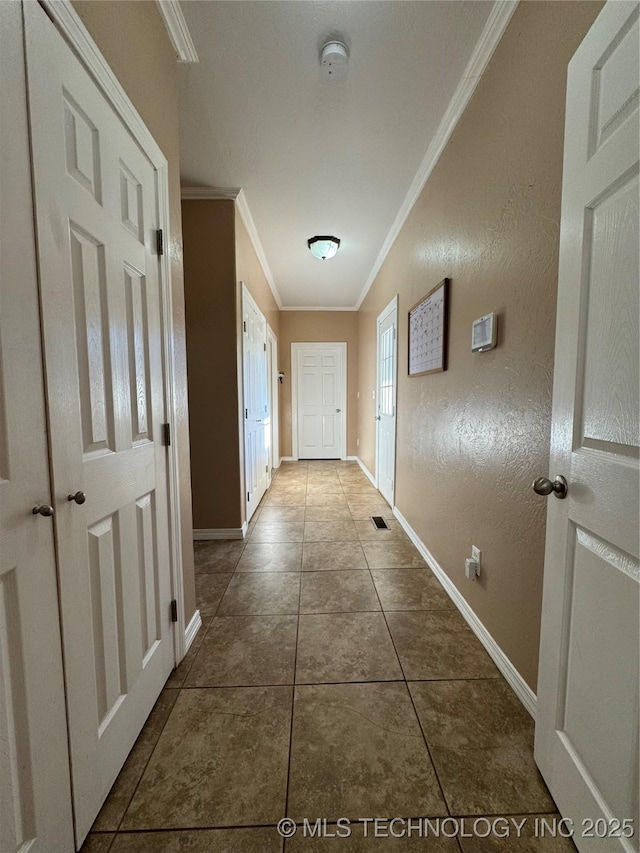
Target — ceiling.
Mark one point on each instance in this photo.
(314, 156)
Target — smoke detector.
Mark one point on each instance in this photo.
(333, 60)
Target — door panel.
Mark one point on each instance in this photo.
(256, 402)
(320, 383)
(35, 791)
(96, 196)
(587, 726)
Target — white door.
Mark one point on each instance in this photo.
(386, 401)
(273, 383)
(35, 791)
(587, 722)
(96, 197)
(319, 402)
(256, 403)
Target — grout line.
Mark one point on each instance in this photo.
(293, 705)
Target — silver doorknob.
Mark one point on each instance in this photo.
(79, 497)
(377, 417)
(544, 486)
(43, 509)
(338, 411)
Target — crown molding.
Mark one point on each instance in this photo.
(318, 308)
(178, 30)
(242, 206)
(216, 193)
(492, 33)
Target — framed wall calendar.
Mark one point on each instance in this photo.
(428, 323)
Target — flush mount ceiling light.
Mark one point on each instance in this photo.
(323, 247)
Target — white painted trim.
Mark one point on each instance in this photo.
(209, 193)
(366, 471)
(351, 459)
(389, 309)
(295, 347)
(204, 533)
(492, 33)
(74, 32)
(520, 687)
(249, 224)
(287, 459)
(191, 630)
(178, 30)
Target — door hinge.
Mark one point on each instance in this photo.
(166, 431)
(160, 241)
(246, 414)
(244, 325)
(266, 468)
(248, 496)
(174, 611)
(265, 347)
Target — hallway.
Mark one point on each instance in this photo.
(332, 678)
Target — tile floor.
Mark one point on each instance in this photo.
(333, 678)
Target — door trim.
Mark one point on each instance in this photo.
(295, 348)
(392, 306)
(71, 28)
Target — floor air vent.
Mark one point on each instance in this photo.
(379, 523)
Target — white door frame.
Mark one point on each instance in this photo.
(272, 341)
(295, 349)
(247, 298)
(392, 306)
(74, 32)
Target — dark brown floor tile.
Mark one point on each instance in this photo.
(210, 588)
(378, 839)
(345, 647)
(261, 593)
(357, 751)
(245, 650)
(97, 843)
(281, 514)
(336, 556)
(220, 761)
(327, 513)
(410, 589)
(217, 555)
(524, 834)
(438, 644)
(271, 557)
(330, 531)
(367, 531)
(393, 554)
(200, 841)
(177, 677)
(481, 740)
(326, 500)
(120, 794)
(288, 531)
(337, 592)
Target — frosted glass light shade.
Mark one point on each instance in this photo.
(323, 247)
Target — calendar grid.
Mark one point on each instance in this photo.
(428, 332)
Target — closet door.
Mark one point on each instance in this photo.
(35, 794)
(97, 214)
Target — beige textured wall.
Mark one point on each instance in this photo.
(134, 41)
(471, 439)
(249, 270)
(210, 292)
(317, 326)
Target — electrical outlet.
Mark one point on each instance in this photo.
(476, 554)
(357, 442)
(373, 395)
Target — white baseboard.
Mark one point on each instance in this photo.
(367, 472)
(221, 533)
(286, 459)
(191, 630)
(511, 674)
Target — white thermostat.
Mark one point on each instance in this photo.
(484, 333)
